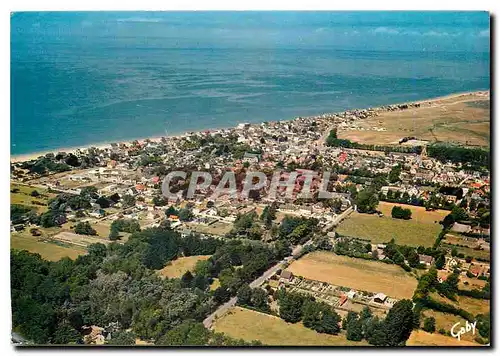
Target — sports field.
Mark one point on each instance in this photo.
(355, 273)
(178, 267)
(250, 325)
(381, 229)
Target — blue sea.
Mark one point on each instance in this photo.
(79, 78)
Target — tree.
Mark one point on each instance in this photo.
(290, 307)
(349, 317)
(365, 314)
(88, 193)
(122, 338)
(454, 252)
(400, 213)
(128, 201)
(413, 259)
(429, 324)
(126, 225)
(187, 279)
(171, 211)
(244, 295)
(52, 218)
(376, 333)
(355, 330)
(186, 214)
(394, 174)
(114, 234)
(221, 295)
(84, 228)
(366, 201)
(440, 261)
(259, 299)
(35, 193)
(399, 323)
(103, 202)
(311, 315)
(330, 321)
(189, 333)
(159, 201)
(65, 334)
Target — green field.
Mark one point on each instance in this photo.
(445, 321)
(179, 266)
(48, 250)
(482, 254)
(383, 229)
(250, 325)
(23, 197)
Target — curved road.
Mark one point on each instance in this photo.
(267, 274)
(254, 284)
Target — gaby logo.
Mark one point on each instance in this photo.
(457, 331)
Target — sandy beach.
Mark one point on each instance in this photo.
(103, 145)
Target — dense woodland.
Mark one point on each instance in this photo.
(52, 301)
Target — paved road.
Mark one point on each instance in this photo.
(254, 284)
(338, 219)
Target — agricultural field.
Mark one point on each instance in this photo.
(23, 197)
(452, 239)
(250, 325)
(383, 229)
(418, 213)
(472, 305)
(473, 283)
(218, 228)
(463, 119)
(422, 338)
(446, 321)
(181, 265)
(481, 254)
(355, 273)
(49, 250)
(82, 241)
(467, 246)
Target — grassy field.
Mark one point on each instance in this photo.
(355, 273)
(270, 330)
(422, 338)
(178, 267)
(383, 229)
(418, 213)
(23, 197)
(458, 240)
(446, 321)
(48, 250)
(482, 254)
(215, 284)
(461, 119)
(474, 306)
(471, 305)
(473, 283)
(217, 228)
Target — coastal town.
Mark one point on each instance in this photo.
(406, 220)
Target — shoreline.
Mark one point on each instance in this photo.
(23, 157)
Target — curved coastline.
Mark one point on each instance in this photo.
(102, 145)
